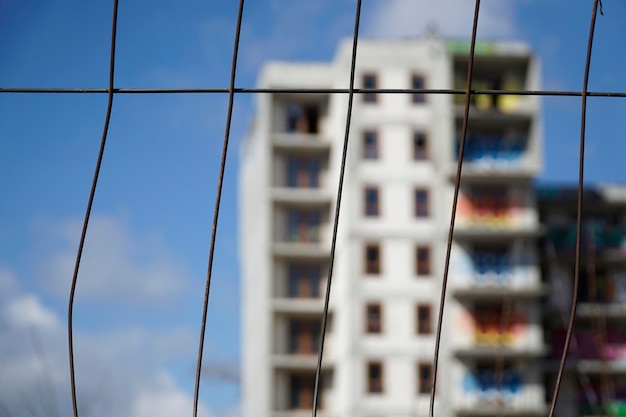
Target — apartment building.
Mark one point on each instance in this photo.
(392, 237)
(595, 379)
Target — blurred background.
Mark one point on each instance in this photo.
(139, 296)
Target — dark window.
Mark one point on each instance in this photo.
(303, 172)
(373, 318)
(421, 203)
(304, 336)
(372, 259)
(420, 146)
(301, 389)
(302, 118)
(370, 144)
(374, 377)
(424, 378)
(422, 260)
(304, 280)
(304, 226)
(418, 84)
(423, 319)
(371, 202)
(369, 83)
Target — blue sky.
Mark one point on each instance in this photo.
(141, 285)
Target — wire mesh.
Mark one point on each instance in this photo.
(233, 90)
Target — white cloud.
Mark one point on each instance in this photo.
(453, 18)
(116, 265)
(165, 400)
(28, 311)
(118, 372)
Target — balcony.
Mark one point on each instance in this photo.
(299, 283)
(479, 293)
(291, 362)
(301, 196)
(493, 327)
(300, 250)
(300, 179)
(295, 389)
(298, 305)
(479, 352)
(300, 230)
(297, 338)
(495, 212)
(616, 408)
(504, 73)
(492, 265)
(489, 330)
(590, 353)
(479, 409)
(488, 391)
(299, 123)
(302, 413)
(494, 270)
(606, 239)
(613, 310)
(614, 405)
(496, 151)
(301, 142)
(299, 170)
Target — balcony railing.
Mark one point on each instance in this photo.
(614, 348)
(497, 151)
(605, 237)
(490, 387)
(496, 329)
(614, 406)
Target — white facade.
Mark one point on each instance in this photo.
(392, 237)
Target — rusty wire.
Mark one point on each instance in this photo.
(216, 212)
(457, 183)
(600, 335)
(92, 193)
(254, 90)
(583, 378)
(579, 210)
(333, 245)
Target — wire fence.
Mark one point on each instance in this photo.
(232, 90)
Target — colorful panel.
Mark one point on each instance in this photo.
(488, 326)
(613, 349)
(487, 385)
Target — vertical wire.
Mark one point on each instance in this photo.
(600, 335)
(457, 181)
(92, 193)
(583, 378)
(218, 198)
(579, 210)
(333, 245)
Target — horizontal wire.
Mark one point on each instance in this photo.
(245, 90)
